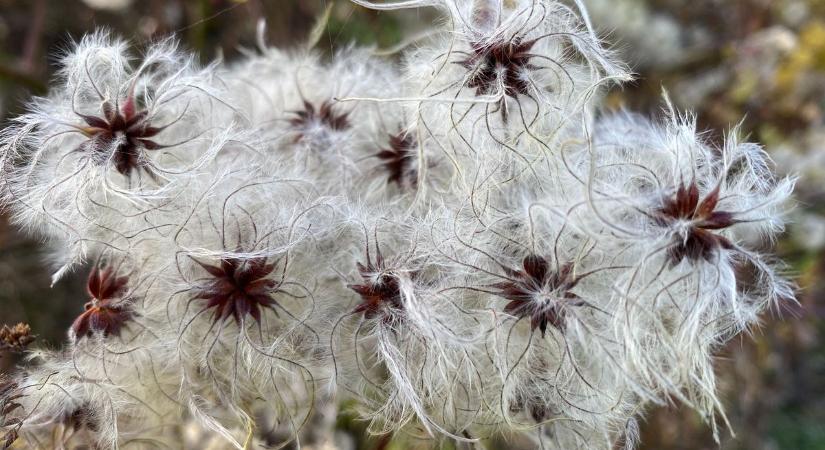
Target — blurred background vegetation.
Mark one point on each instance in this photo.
(758, 63)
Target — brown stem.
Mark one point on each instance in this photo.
(32, 43)
(384, 442)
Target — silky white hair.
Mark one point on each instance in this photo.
(455, 245)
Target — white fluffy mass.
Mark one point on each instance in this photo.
(455, 244)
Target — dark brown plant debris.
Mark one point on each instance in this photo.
(16, 338)
(9, 395)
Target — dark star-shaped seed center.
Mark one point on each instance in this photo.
(238, 287)
(124, 128)
(305, 120)
(500, 65)
(380, 290)
(106, 313)
(696, 222)
(398, 158)
(537, 292)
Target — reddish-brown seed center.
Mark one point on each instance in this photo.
(106, 313)
(501, 65)
(695, 222)
(380, 291)
(537, 292)
(238, 287)
(398, 158)
(326, 116)
(125, 129)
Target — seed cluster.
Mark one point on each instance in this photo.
(311, 117)
(537, 292)
(107, 312)
(119, 135)
(398, 158)
(238, 288)
(701, 220)
(231, 294)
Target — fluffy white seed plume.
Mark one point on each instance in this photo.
(405, 348)
(99, 151)
(685, 214)
(454, 244)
